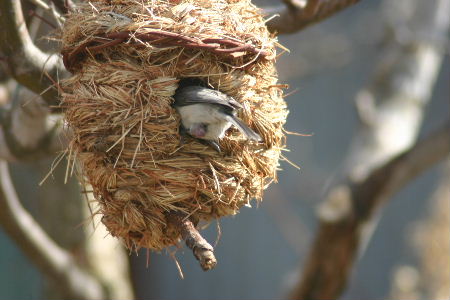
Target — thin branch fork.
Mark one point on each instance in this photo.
(64, 6)
(294, 17)
(201, 249)
(25, 62)
(338, 241)
(51, 9)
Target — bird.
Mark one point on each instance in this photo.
(206, 114)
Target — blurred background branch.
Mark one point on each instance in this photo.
(391, 113)
(64, 6)
(348, 212)
(296, 15)
(25, 62)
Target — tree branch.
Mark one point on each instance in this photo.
(201, 249)
(375, 167)
(52, 260)
(293, 17)
(50, 9)
(64, 6)
(338, 241)
(25, 62)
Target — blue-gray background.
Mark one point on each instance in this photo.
(262, 248)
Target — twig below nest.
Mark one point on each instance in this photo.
(201, 249)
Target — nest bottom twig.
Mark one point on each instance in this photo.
(201, 249)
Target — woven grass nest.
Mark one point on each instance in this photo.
(127, 58)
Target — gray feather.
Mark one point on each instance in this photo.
(244, 129)
(197, 94)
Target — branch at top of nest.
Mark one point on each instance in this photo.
(201, 249)
(159, 38)
(295, 15)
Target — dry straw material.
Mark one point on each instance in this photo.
(127, 58)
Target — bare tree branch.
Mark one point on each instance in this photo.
(51, 259)
(375, 168)
(25, 62)
(337, 242)
(201, 249)
(51, 9)
(294, 17)
(64, 6)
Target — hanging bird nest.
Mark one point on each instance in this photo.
(127, 59)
